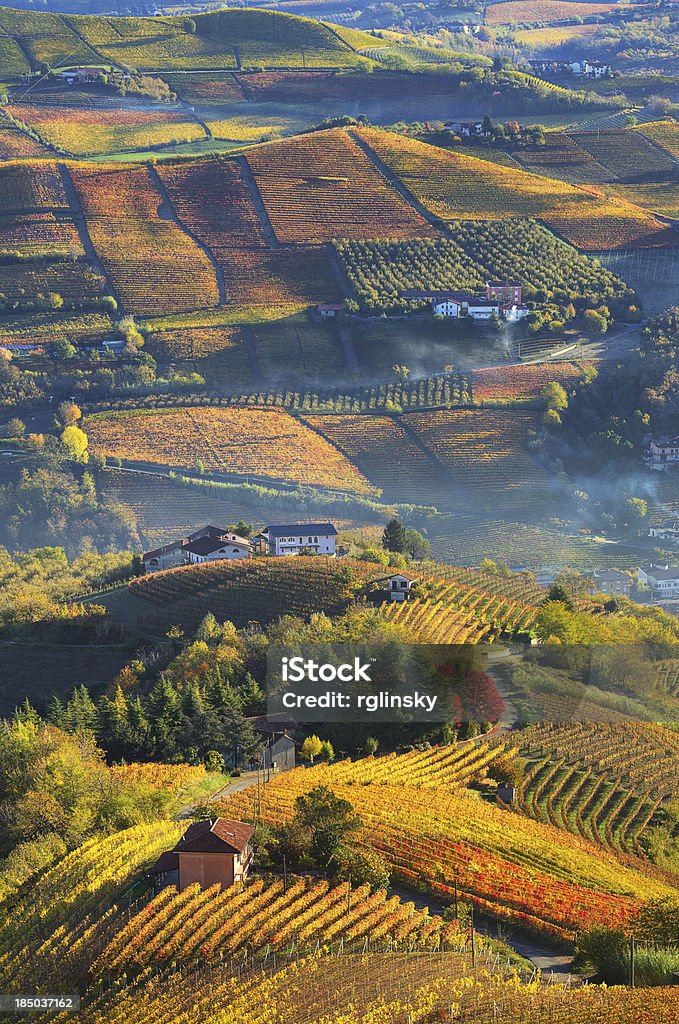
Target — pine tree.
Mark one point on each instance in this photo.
(394, 537)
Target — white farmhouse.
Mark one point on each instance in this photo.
(292, 538)
(399, 586)
(207, 544)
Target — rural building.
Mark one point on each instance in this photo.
(611, 581)
(292, 538)
(667, 531)
(209, 549)
(208, 544)
(329, 310)
(82, 75)
(662, 452)
(590, 69)
(456, 304)
(467, 129)
(506, 792)
(213, 852)
(505, 291)
(279, 750)
(663, 581)
(399, 586)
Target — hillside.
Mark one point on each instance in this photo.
(528, 873)
(472, 607)
(227, 39)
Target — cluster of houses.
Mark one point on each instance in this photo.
(662, 452)
(580, 68)
(214, 544)
(667, 531)
(662, 581)
(503, 301)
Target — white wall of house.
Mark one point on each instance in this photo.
(229, 552)
(321, 544)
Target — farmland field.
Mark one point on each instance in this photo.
(516, 383)
(461, 187)
(627, 154)
(155, 267)
(527, 11)
(249, 442)
(87, 131)
(313, 183)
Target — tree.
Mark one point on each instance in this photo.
(401, 372)
(69, 413)
(595, 323)
(507, 769)
(557, 592)
(362, 867)
(75, 442)
(213, 761)
(417, 546)
(311, 748)
(327, 751)
(16, 427)
(394, 537)
(371, 745)
(55, 300)
(554, 396)
(62, 349)
(327, 819)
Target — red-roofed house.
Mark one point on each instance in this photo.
(213, 852)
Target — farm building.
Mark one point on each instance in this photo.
(505, 291)
(208, 544)
(399, 586)
(456, 304)
(295, 538)
(213, 852)
(667, 531)
(329, 310)
(466, 129)
(279, 750)
(662, 452)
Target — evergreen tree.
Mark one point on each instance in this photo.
(395, 536)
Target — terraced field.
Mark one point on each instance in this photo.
(627, 155)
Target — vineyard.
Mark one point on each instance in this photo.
(260, 590)
(527, 11)
(627, 155)
(387, 455)
(250, 442)
(90, 131)
(531, 874)
(502, 385)
(210, 923)
(26, 287)
(452, 613)
(317, 186)
(561, 157)
(251, 37)
(456, 187)
(154, 266)
(38, 235)
(30, 186)
(370, 988)
(485, 452)
(581, 778)
(61, 921)
(663, 133)
(519, 250)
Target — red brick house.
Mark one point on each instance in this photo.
(213, 852)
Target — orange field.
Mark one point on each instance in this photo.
(517, 383)
(265, 443)
(155, 267)
(527, 11)
(316, 187)
(457, 187)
